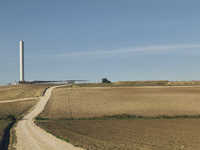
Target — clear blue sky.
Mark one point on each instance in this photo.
(121, 40)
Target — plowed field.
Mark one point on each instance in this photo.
(160, 134)
(156, 134)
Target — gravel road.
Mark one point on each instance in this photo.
(31, 137)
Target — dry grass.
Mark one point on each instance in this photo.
(139, 83)
(11, 92)
(18, 92)
(146, 101)
(16, 109)
(157, 83)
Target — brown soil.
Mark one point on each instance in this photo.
(146, 101)
(12, 92)
(128, 134)
(125, 134)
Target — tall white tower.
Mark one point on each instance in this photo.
(21, 49)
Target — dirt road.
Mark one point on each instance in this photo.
(17, 100)
(31, 137)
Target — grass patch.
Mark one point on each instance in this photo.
(9, 117)
(125, 116)
(5, 126)
(40, 118)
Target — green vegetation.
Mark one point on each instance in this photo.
(3, 124)
(9, 118)
(126, 116)
(6, 123)
(105, 80)
(22, 82)
(40, 118)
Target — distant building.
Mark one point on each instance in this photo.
(15, 83)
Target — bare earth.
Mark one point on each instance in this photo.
(157, 134)
(31, 137)
(160, 134)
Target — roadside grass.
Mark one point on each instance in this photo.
(9, 117)
(3, 123)
(122, 117)
(6, 123)
(13, 138)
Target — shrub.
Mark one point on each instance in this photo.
(105, 80)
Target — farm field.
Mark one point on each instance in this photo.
(16, 108)
(128, 134)
(11, 92)
(66, 103)
(94, 102)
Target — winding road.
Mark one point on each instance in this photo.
(31, 137)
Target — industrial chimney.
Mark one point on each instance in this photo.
(21, 49)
